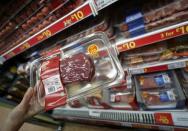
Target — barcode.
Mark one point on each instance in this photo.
(51, 89)
(52, 84)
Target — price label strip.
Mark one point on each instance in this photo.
(177, 65)
(68, 20)
(156, 36)
(94, 113)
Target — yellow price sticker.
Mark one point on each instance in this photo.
(93, 49)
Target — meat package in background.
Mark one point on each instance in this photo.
(55, 94)
(97, 99)
(158, 97)
(78, 67)
(154, 81)
(122, 97)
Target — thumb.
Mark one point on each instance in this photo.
(27, 97)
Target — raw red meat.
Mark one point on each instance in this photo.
(78, 67)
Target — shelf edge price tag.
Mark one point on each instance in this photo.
(127, 46)
(177, 65)
(163, 118)
(137, 71)
(94, 113)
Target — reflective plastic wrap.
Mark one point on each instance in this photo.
(75, 71)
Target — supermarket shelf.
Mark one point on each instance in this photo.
(86, 10)
(153, 37)
(66, 21)
(19, 10)
(159, 66)
(148, 119)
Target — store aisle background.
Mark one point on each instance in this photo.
(68, 126)
(26, 127)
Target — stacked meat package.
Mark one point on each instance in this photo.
(159, 91)
(75, 71)
(151, 16)
(183, 77)
(159, 52)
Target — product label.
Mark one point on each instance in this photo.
(161, 80)
(55, 94)
(112, 98)
(52, 84)
(133, 16)
(167, 96)
(177, 65)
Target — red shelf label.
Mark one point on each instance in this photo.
(156, 68)
(62, 24)
(182, 30)
(163, 119)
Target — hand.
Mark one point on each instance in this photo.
(28, 107)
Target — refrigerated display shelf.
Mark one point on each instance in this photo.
(158, 66)
(13, 15)
(77, 15)
(148, 119)
(85, 10)
(152, 37)
(16, 27)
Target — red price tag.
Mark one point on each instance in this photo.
(163, 119)
(171, 33)
(156, 68)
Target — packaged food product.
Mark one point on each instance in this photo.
(52, 84)
(160, 98)
(98, 99)
(84, 65)
(158, 80)
(122, 97)
(144, 55)
(183, 78)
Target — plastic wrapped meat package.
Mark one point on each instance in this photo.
(155, 53)
(155, 16)
(98, 99)
(143, 56)
(183, 78)
(69, 74)
(159, 98)
(154, 81)
(123, 98)
(159, 91)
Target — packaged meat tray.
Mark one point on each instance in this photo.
(160, 98)
(123, 98)
(154, 16)
(98, 99)
(144, 55)
(163, 51)
(154, 81)
(183, 78)
(75, 70)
